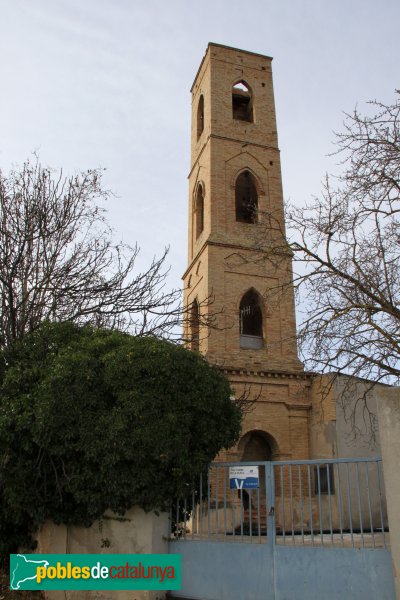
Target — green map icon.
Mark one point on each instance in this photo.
(24, 569)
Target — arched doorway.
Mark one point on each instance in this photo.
(255, 446)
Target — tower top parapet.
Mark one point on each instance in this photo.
(229, 49)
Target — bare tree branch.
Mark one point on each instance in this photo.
(58, 261)
(345, 251)
(348, 244)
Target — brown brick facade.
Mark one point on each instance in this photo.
(224, 260)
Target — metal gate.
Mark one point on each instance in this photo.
(311, 529)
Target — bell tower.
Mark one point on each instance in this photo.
(235, 211)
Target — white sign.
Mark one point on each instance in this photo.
(243, 477)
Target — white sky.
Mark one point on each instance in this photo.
(96, 83)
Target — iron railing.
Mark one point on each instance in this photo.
(326, 502)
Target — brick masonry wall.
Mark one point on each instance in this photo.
(227, 258)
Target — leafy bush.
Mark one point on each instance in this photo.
(92, 420)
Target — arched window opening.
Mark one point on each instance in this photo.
(246, 198)
(251, 325)
(200, 117)
(242, 102)
(195, 326)
(199, 211)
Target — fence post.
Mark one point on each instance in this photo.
(270, 503)
(388, 403)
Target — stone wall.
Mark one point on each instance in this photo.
(135, 533)
(389, 426)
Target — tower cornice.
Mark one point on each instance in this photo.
(230, 245)
(242, 141)
(233, 372)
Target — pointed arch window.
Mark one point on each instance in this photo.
(251, 321)
(246, 198)
(200, 117)
(199, 211)
(242, 102)
(195, 326)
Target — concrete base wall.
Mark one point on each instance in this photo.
(232, 571)
(135, 533)
(389, 429)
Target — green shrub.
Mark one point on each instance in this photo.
(92, 420)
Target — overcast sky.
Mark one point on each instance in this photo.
(101, 83)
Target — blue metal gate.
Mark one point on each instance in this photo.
(311, 529)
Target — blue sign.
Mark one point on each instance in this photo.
(243, 478)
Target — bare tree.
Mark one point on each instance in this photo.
(58, 260)
(345, 247)
(342, 254)
(347, 244)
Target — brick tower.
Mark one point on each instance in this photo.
(235, 202)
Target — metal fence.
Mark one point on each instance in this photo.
(327, 502)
